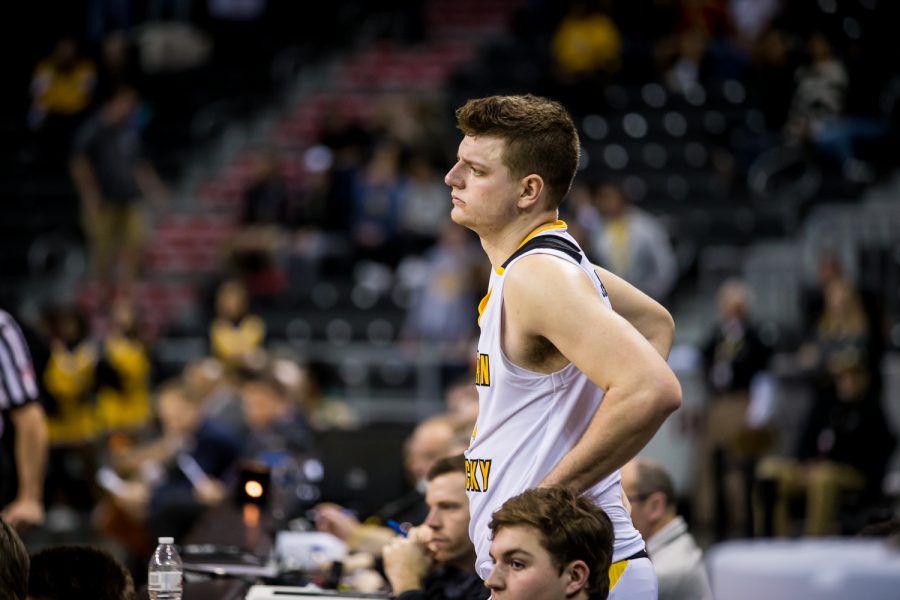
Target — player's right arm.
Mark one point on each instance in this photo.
(644, 313)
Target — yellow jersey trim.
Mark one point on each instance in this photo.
(483, 304)
(558, 224)
(615, 572)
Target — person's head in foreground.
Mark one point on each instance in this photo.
(517, 160)
(78, 573)
(13, 564)
(550, 544)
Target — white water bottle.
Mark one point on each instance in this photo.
(165, 572)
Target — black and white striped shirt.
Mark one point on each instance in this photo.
(18, 385)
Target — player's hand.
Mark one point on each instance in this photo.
(23, 513)
(406, 563)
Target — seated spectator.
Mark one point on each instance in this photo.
(76, 573)
(62, 89)
(550, 543)
(587, 51)
(264, 218)
(437, 559)
(432, 439)
(279, 438)
(276, 424)
(377, 197)
(441, 312)
(172, 480)
(677, 559)
(324, 411)
(686, 59)
(842, 338)
(219, 393)
(123, 395)
(818, 111)
(834, 293)
(424, 204)
(632, 243)
(587, 41)
(13, 565)
(235, 334)
(845, 449)
(69, 380)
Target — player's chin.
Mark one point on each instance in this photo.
(458, 216)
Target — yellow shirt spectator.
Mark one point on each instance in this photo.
(587, 44)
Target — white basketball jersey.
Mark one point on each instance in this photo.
(528, 421)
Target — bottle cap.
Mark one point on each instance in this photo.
(166, 540)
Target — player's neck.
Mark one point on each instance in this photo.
(500, 244)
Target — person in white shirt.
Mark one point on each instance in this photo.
(674, 552)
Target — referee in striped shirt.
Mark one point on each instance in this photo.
(20, 409)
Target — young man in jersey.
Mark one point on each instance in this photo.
(549, 544)
(569, 389)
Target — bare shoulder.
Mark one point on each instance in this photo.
(543, 293)
(538, 279)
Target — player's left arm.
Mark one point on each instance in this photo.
(555, 300)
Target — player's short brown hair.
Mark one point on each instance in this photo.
(539, 134)
(570, 527)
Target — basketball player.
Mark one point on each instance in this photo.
(568, 390)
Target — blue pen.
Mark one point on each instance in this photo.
(396, 527)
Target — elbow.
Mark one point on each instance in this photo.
(667, 395)
(660, 329)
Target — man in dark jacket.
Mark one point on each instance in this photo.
(436, 561)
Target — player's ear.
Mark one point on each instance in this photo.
(531, 190)
(656, 504)
(576, 574)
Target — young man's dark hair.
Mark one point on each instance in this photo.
(571, 528)
(13, 564)
(539, 134)
(78, 573)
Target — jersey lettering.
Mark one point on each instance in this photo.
(474, 468)
(483, 370)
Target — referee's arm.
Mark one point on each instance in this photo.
(18, 397)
